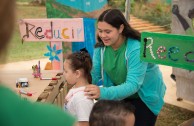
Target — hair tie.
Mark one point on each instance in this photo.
(84, 50)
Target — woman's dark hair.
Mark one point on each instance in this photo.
(81, 60)
(115, 18)
(110, 113)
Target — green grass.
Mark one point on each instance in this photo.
(28, 50)
(173, 116)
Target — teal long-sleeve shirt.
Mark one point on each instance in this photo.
(143, 78)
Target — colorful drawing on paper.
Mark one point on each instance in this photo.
(75, 8)
(68, 29)
(84, 5)
(78, 9)
(168, 49)
(53, 53)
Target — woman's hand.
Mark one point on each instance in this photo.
(92, 91)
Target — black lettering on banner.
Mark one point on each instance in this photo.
(38, 30)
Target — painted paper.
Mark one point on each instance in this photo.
(68, 30)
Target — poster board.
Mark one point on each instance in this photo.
(68, 29)
(168, 49)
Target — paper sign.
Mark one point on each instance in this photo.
(168, 49)
(67, 30)
(57, 65)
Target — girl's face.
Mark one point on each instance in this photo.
(109, 34)
(69, 74)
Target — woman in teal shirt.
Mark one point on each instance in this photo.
(117, 65)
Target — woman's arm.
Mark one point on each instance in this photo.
(136, 70)
(96, 68)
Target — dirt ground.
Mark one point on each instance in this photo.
(173, 116)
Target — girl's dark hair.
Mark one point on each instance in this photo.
(115, 18)
(110, 113)
(81, 60)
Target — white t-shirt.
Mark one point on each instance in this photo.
(78, 104)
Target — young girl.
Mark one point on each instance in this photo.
(77, 67)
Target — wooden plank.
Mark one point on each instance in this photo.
(144, 25)
(62, 97)
(55, 91)
(155, 30)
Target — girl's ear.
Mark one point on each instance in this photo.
(78, 73)
(121, 28)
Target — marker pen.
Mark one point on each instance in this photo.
(46, 78)
(24, 92)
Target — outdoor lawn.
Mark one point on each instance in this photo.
(169, 116)
(28, 50)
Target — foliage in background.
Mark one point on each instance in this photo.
(28, 50)
(157, 12)
(119, 4)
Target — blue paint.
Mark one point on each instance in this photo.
(84, 5)
(89, 37)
